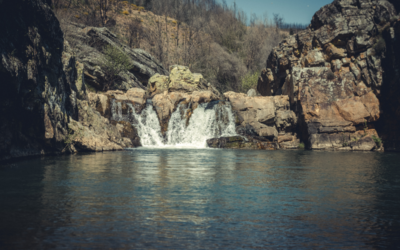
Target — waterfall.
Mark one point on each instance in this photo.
(205, 123)
(148, 126)
(186, 128)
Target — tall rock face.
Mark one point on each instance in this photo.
(333, 74)
(38, 80)
(389, 124)
(44, 105)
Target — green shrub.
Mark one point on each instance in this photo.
(301, 145)
(114, 63)
(365, 127)
(377, 140)
(249, 81)
(69, 140)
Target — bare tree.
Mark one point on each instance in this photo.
(278, 21)
(135, 33)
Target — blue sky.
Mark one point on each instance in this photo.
(294, 11)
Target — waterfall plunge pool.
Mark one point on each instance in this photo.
(202, 199)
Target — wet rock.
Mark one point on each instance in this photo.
(237, 142)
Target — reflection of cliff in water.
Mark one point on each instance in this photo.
(29, 208)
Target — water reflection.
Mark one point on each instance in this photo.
(185, 198)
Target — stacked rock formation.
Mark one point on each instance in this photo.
(333, 75)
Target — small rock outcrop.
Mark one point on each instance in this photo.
(333, 74)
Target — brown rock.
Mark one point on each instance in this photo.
(352, 110)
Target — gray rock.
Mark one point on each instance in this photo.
(251, 93)
(89, 43)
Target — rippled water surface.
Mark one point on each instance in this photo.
(202, 199)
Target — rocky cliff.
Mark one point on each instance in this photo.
(334, 75)
(38, 80)
(44, 104)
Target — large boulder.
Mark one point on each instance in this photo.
(332, 71)
(180, 79)
(263, 117)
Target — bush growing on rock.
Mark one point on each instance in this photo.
(249, 81)
(114, 63)
(377, 141)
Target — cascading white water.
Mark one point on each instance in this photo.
(148, 126)
(204, 123)
(207, 121)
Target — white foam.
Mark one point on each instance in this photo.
(205, 123)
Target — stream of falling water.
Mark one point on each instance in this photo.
(208, 120)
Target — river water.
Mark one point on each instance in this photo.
(202, 199)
